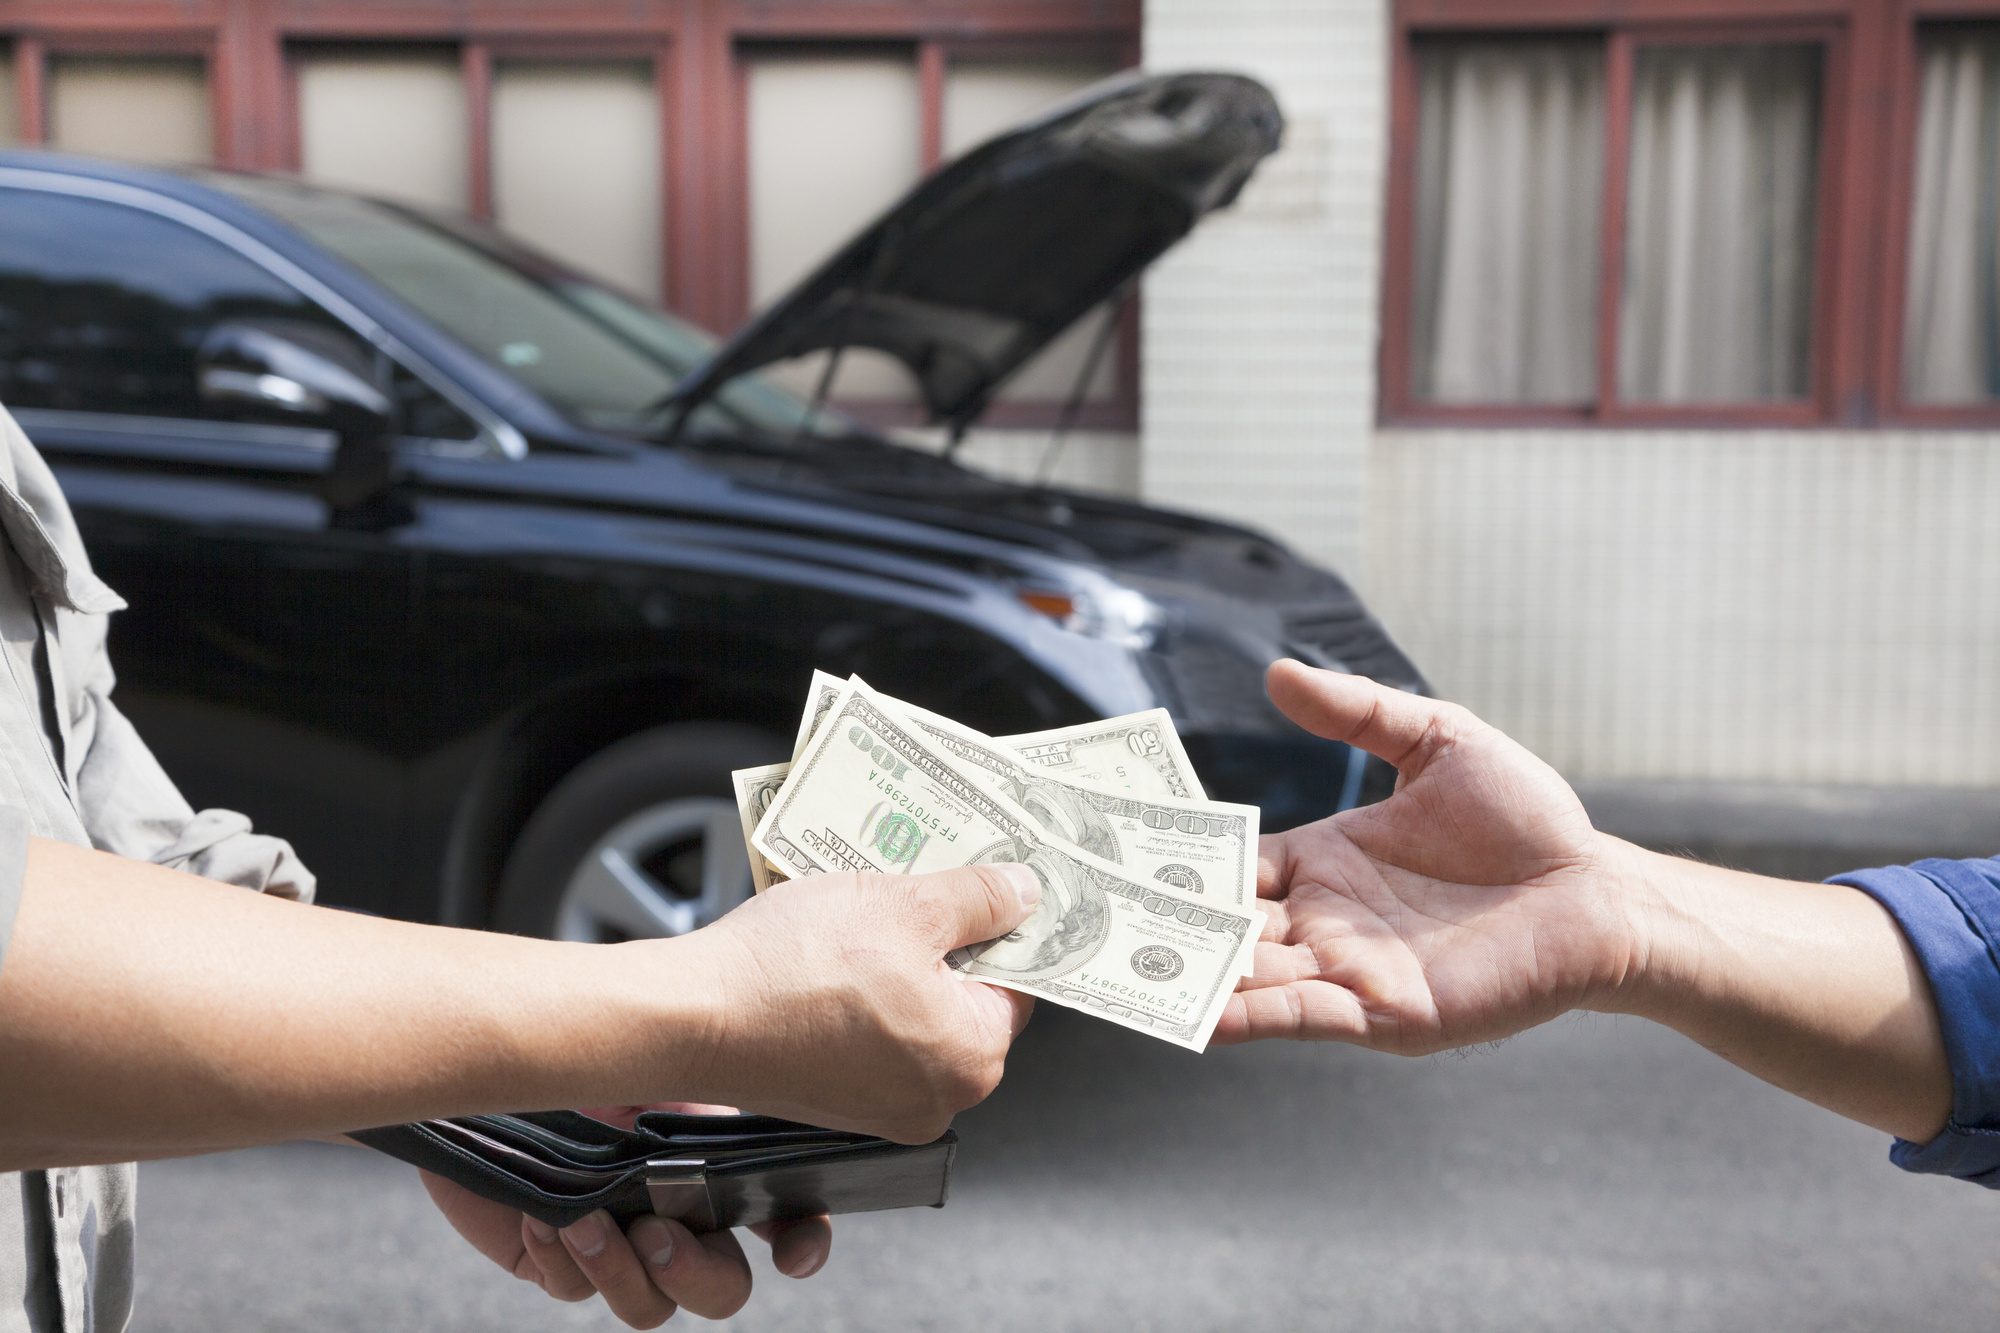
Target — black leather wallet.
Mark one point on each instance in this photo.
(706, 1171)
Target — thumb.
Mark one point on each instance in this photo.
(975, 903)
(1389, 724)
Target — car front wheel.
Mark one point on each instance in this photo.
(641, 840)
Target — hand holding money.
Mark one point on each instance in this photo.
(1146, 916)
(840, 1014)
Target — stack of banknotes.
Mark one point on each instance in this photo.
(1149, 889)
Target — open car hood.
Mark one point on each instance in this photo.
(993, 255)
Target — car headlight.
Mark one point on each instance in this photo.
(1100, 609)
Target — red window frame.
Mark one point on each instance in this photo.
(696, 49)
(1870, 68)
(1903, 103)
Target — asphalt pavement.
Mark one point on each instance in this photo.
(1598, 1174)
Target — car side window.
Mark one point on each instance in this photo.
(103, 308)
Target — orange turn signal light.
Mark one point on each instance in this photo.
(1057, 606)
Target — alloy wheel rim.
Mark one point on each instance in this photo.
(666, 870)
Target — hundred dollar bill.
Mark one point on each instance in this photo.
(1194, 847)
(874, 792)
(1139, 752)
(820, 699)
(754, 789)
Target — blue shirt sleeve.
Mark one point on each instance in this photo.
(1950, 912)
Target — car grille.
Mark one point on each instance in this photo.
(1220, 689)
(1353, 638)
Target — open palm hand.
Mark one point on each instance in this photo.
(1466, 907)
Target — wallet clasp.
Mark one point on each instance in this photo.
(678, 1188)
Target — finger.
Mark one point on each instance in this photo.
(558, 1274)
(1281, 964)
(976, 903)
(493, 1229)
(607, 1259)
(1390, 724)
(1301, 1011)
(1271, 866)
(997, 1009)
(799, 1248)
(707, 1273)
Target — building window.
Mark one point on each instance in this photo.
(1609, 223)
(385, 121)
(138, 108)
(1717, 300)
(1951, 311)
(1688, 215)
(576, 164)
(1510, 161)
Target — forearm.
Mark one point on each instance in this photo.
(1810, 987)
(145, 1012)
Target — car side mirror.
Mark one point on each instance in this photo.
(295, 373)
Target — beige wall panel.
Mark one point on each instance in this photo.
(982, 98)
(1106, 461)
(833, 141)
(392, 125)
(576, 165)
(10, 112)
(1783, 606)
(1260, 329)
(142, 109)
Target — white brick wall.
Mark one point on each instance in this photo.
(1771, 606)
(1794, 607)
(1259, 349)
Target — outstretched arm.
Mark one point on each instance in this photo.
(1478, 901)
(147, 1013)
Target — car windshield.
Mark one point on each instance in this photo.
(601, 358)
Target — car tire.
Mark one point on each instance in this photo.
(641, 840)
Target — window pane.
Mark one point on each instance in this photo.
(142, 109)
(982, 98)
(386, 124)
(1718, 297)
(576, 165)
(1951, 311)
(833, 142)
(102, 306)
(1510, 151)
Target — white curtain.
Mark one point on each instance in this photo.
(1949, 313)
(1718, 293)
(1510, 165)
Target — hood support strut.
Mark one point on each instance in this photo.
(884, 257)
(1114, 311)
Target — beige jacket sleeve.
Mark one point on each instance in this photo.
(127, 802)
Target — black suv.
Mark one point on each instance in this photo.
(475, 577)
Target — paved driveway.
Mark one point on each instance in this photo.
(1599, 1174)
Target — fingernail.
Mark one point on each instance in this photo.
(586, 1237)
(808, 1264)
(543, 1232)
(653, 1240)
(1026, 883)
